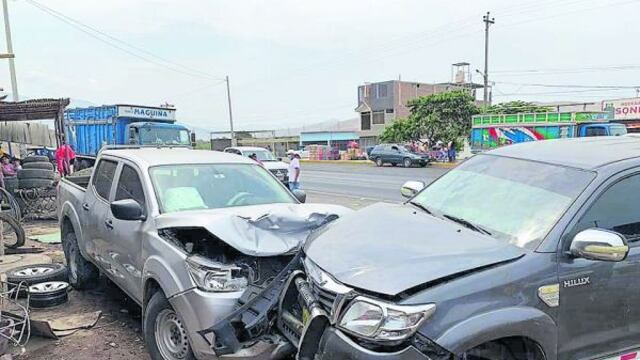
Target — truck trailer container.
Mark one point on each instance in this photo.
(87, 130)
(494, 130)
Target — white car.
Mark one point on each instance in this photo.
(271, 163)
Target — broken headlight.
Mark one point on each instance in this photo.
(379, 321)
(215, 277)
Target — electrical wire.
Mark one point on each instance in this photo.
(124, 46)
(570, 86)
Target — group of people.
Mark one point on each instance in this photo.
(443, 151)
(10, 167)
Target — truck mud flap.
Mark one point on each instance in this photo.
(254, 317)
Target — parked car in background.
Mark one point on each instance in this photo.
(185, 233)
(270, 162)
(526, 252)
(395, 154)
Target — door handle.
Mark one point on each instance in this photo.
(109, 224)
(86, 206)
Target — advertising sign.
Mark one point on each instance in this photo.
(623, 109)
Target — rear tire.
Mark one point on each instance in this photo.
(164, 331)
(82, 274)
(379, 162)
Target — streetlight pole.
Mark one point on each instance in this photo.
(488, 21)
(233, 134)
(9, 55)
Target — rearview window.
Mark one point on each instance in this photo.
(103, 177)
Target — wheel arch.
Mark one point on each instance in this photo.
(515, 322)
(70, 222)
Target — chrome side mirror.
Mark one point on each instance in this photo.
(410, 188)
(599, 244)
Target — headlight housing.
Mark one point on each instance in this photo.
(383, 322)
(215, 277)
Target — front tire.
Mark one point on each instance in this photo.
(82, 274)
(406, 162)
(164, 331)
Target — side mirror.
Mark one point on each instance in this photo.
(127, 209)
(193, 140)
(300, 195)
(410, 188)
(132, 136)
(599, 244)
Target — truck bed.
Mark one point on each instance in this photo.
(81, 178)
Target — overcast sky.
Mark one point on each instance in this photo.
(295, 62)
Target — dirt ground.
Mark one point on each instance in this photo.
(117, 334)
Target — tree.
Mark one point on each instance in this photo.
(514, 107)
(443, 116)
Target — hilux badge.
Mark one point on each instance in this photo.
(576, 282)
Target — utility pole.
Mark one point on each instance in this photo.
(233, 134)
(10, 55)
(488, 21)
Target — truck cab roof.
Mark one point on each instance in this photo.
(156, 156)
(588, 153)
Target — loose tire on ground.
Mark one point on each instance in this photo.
(35, 158)
(48, 294)
(35, 174)
(13, 237)
(38, 165)
(34, 183)
(81, 273)
(37, 273)
(161, 321)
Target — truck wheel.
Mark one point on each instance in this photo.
(38, 165)
(82, 274)
(379, 162)
(35, 158)
(406, 162)
(35, 174)
(164, 331)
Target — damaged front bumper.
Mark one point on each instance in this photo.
(296, 314)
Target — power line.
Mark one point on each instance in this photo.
(102, 37)
(570, 86)
(559, 92)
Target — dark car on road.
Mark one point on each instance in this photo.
(395, 154)
(525, 252)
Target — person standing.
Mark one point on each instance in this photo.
(61, 163)
(7, 167)
(70, 157)
(294, 170)
(451, 151)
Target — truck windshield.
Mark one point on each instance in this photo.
(213, 186)
(515, 200)
(262, 155)
(150, 135)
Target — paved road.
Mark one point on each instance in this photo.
(360, 184)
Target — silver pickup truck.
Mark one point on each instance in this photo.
(184, 233)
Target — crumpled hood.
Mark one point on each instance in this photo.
(389, 248)
(258, 230)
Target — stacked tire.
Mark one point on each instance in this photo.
(37, 172)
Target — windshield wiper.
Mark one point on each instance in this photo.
(468, 224)
(421, 207)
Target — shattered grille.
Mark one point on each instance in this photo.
(326, 297)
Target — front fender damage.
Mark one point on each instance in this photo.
(264, 249)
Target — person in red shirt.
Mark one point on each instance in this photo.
(70, 156)
(61, 160)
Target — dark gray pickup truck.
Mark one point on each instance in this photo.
(526, 252)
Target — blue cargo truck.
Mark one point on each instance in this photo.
(88, 129)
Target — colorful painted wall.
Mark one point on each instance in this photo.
(492, 137)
